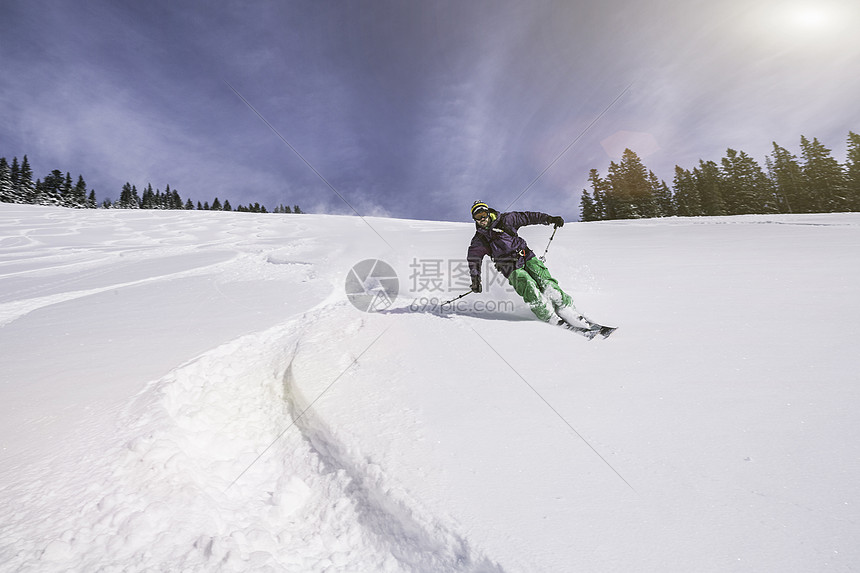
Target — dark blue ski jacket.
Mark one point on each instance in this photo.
(501, 242)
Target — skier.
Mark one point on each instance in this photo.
(496, 236)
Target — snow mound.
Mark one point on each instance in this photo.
(229, 469)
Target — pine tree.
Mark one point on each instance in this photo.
(709, 186)
(852, 171)
(687, 200)
(128, 198)
(147, 200)
(216, 205)
(26, 187)
(663, 201)
(599, 189)
(175, 199)
(787, 179)
(66, 191)
(189, 206)
(615, 204)
(733, 191)
(7, 192)
(79, 194)
(14, 172)
(587, 212)
(91, 200)
(630, 194)
(255, 208)
(227, 206)
(750, 191)
(823, 178)
(124, 196)
(50, 191)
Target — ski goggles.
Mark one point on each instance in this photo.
(481, 216)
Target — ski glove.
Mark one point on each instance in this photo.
(557, 221)
(476, 283)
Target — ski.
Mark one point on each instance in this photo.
(605, 331)
(588, 333)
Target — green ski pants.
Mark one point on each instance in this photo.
(534, 279)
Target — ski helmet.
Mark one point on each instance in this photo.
(479, 207)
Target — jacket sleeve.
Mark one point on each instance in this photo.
(517, 219)
(477, 250)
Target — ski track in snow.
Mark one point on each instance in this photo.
(12, 311)
(168, 496)
(223, 466)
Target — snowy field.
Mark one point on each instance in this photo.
(192, 391)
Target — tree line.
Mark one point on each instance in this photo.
(738, 185)
(56, 189)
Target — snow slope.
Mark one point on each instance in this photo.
(193, 391)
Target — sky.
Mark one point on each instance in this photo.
(415, 109)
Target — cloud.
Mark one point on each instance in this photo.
(401, 105)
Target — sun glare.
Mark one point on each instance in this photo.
(811, 18)
(798, 23)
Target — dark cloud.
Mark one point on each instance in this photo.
(414, 109)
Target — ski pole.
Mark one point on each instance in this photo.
(543, 256)
(468, 292)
